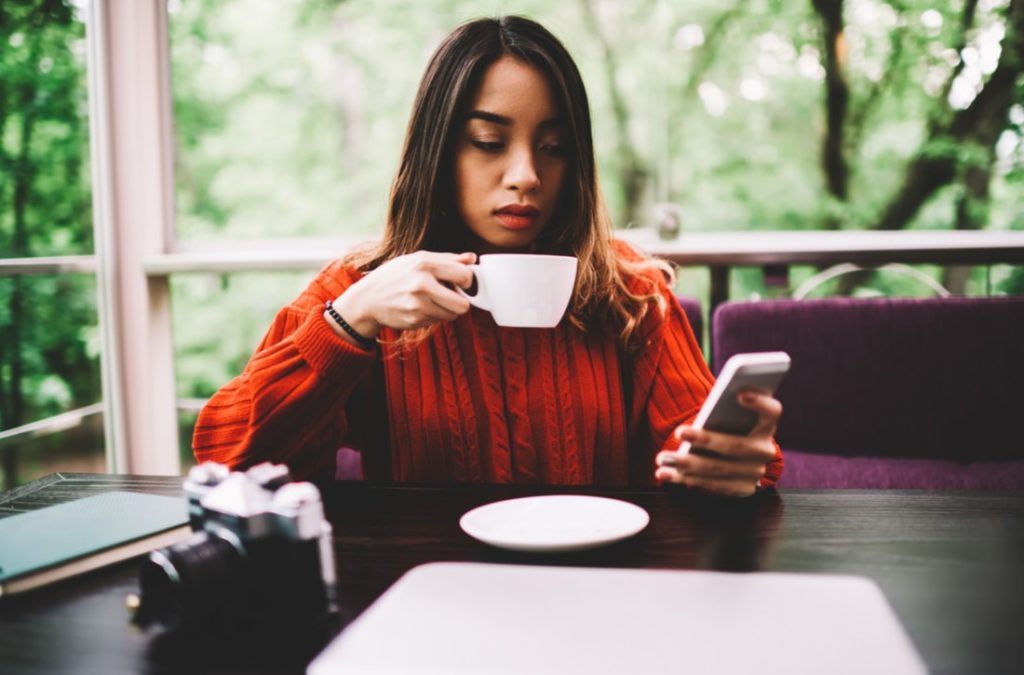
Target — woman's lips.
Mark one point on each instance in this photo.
(515, 221)
(517, 217)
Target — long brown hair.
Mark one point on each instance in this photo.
(422, 214)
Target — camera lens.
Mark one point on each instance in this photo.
(190, 582)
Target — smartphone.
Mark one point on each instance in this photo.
(721, 411)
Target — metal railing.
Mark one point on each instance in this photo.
(704, 249)
(64, 264)
(74, 418)
(49, 425)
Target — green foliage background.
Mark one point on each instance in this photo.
(48, 357)
(290, 119)
(290, 115)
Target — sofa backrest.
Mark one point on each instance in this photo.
(936, 378)
(692, 309)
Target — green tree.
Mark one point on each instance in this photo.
(47, 325)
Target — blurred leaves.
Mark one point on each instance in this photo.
(715, 106)
(290, 116)
(46, 361)
(290, 119)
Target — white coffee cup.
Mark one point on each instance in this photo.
(523, 290)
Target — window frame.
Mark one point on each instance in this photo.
(131, 139)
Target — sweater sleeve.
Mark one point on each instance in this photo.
(671, 379)
(288, 405)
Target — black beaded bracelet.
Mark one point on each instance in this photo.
(363, 341)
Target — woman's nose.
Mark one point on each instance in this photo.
(522, 172)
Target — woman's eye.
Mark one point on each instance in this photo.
(487, 146)
(556, 149)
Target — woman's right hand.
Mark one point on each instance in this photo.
(407, 292)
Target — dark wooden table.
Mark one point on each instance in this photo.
(950, 563)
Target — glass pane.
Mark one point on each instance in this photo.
(218, 321)
(49, 340)
(186, 425)
(49, 357)
(44, 132)
(78, 449)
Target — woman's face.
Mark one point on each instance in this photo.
(510, 158)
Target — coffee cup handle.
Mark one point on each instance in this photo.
(480, 299)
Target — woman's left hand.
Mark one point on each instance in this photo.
(724, 464)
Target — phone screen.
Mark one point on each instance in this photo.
(728, 416)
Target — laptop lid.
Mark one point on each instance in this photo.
(477, 618)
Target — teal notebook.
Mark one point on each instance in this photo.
(42, 546)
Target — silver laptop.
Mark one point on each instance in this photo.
(474, 618)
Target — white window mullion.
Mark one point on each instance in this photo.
(133, 210)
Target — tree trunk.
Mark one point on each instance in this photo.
(972, 206)
(837, 98)
(971, 214)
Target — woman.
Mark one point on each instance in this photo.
(381, 354)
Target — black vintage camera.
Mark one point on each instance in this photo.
(260, 557)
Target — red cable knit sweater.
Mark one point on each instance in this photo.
(473, 403)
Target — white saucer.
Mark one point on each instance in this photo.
(553, 523)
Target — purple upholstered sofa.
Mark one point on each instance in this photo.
(692, 310)
(893, 393)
